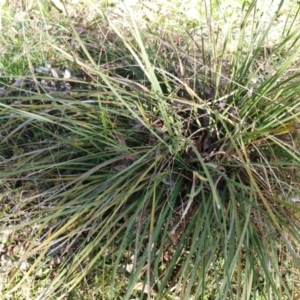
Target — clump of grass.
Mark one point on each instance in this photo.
(166, 166)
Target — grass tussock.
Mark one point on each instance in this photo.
(150, 151)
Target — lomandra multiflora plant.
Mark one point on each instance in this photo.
(167, 167)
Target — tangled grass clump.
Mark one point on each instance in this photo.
(165, 167)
